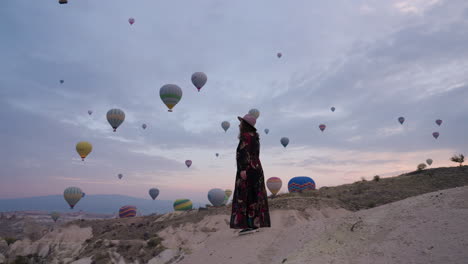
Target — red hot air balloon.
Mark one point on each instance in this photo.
(435, 135)
(322, 127)
(188, 163)
(438, 122)
(131, 20)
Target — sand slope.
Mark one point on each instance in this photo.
(431, 228)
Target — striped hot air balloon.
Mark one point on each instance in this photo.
(274, 185)
(115, 117)
(322, 127)
(199, 80)
(228, 193)
(170, 95)
(300, 184)
(127, 211)
(182, 205)
(72, 195)
(55, 216)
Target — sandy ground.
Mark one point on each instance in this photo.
(431, 228)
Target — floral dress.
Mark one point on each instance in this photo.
(249, 203)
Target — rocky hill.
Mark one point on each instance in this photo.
(419, 217)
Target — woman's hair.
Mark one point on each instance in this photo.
(246, 128)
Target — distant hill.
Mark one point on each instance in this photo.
(101, 204)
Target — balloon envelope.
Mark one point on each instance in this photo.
(62, 81)
(217, 154)
(120, 176)
(429, 162)
(115, 117)
(72, 195)
(154, 192)
(274, 185)
(216, 197)
(438, 122)
(401, 120)
(182, 205)
(333, 109)
(55, 216)
(131, 20)
(279, 54)
(90, 112)
(267, 130)
(199, 79)
(144, 126)
(188, 163)
(435, 135)
(170, 95)
(322, 127)
(84, 194)
(225, 125)
(254, 112)
(300, 184)
(284, 141)
(83, 148)
(127, 211)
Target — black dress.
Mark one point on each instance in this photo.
(250, 202)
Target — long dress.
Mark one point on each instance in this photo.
(249, 203)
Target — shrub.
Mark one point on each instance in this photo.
(421, 166)
(10, 240)
(458, 159)
(376, 178)
(363, 179)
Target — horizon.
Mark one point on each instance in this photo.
(372, 61)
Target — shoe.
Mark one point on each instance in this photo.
(248, 231)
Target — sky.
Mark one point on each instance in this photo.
(373, 60)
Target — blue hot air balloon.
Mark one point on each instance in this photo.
(300, 184)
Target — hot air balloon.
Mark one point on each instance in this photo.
(63, 2)
(115, 117)
(216, 197)
(188, 163)
(279, 54)
(84, 194)
(154, 192)
(401, 120)
(62, 81)
(322, 127)
(254, 112)
(227, 195)
(170, 95)
(225, 125)
(284, 141)
(217, 154)
(300, 184)
(55, 216)
(72, 195)
(120, 176)
(435, 135)
(83, 148)
(90, 112)
(267, 130)
(438, 122)
(143, 126)
(127, 211)
(199, 79)
(182, 205)
(333, 109)
(429, 162)
(131, 20)
(274, 185)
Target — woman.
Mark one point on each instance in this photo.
(249, 204)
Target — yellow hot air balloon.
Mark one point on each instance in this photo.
(83, 148)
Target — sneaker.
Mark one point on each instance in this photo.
(248, 231)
